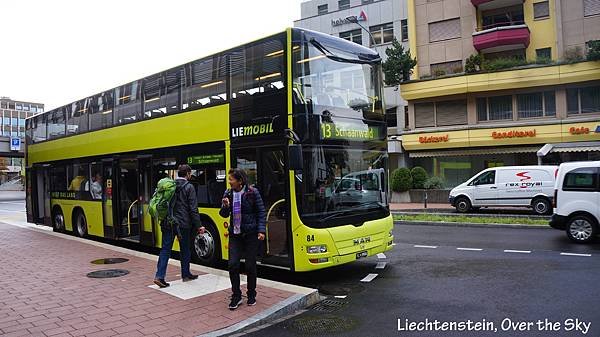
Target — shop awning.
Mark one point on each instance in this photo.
(473, 152)
(568, 147)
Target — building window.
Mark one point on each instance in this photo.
(3, 105)
(537, 104)
(446, 68)
(508, 16)
(404, 29)
(591, 7)
(391, 117)
(364, 2)
(19, 106)
(343, 4)
(443, 113)
(543, 53)
(494, 108)
(382, 33)
(322, 9)
(444, 30)
(583, 100)
(354, 35)
(541, 10)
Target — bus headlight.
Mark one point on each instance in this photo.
(316, 249)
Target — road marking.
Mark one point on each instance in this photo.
(380, 265)
(381, 256)
(517, 251)
(341, 296)
(393, 243)
(422, 246)
(470, 249)
(575, 254)
(369, 278)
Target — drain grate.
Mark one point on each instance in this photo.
(108, 273)
(110, 260)
(329, 305)
(323, 324)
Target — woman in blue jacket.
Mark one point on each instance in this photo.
(245, 208)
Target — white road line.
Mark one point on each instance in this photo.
(341, 296)
(369, 278)
(393, 243)
(470, 249)
(380, 265)
(422, 246)
(575, 254)
(517, 251)
(381, 256)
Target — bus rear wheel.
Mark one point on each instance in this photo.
(206, 248)
(58, 220)
(80, 224)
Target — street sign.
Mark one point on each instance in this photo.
(15, 143)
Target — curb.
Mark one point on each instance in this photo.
(483, 215)
(469, 224)
(277, 311)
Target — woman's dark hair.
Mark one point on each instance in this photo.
(238, 174)
(183, 170)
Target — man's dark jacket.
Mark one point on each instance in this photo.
(185, 208)
(253, 211)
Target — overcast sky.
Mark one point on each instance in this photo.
(57, 51)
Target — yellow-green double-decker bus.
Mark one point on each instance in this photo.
(300, 111)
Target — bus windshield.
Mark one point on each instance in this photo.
(337, 77)
(341, 182)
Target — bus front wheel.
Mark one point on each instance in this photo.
(206, 248)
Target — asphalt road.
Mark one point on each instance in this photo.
(456, 274)
(449, 274)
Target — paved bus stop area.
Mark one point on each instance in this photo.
(45, 291)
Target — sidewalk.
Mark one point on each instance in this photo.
(44, 291)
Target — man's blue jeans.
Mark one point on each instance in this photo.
(168, 236)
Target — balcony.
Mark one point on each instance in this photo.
(485, 5)
(502, 38)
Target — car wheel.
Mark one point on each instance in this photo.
(206, 248)
(80, 225)
(581, 229)
(58, 221)
(462, 204)
(541, 206)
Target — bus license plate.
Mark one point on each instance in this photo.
(361, 254)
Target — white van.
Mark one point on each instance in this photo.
(526, 186)
(577, 200)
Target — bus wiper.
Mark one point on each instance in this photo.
(352, 210)
(330, 55)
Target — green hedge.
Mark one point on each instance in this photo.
(401, 180)
(419, 176)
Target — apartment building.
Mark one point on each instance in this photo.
(501, 82)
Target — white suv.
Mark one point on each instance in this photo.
(577, 200)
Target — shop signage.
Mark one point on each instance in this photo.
(362, 16)
(579, 130)
(514, 134)
(15, 144)
(433, 139)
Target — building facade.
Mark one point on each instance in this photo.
(501, 82)
(13, 114)
(385, 19)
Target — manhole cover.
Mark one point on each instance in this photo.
(110, 260)
(323, 324)
(341, 289)
(329, 305)
(106, 273)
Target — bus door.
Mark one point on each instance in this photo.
(265, 168)
(108, 189)
(38, 181)
(130, 199)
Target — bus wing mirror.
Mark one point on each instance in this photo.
(295, 156)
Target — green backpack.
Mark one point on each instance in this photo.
(160, 203)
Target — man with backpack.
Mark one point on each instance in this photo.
(247, 228)
(182, 217)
